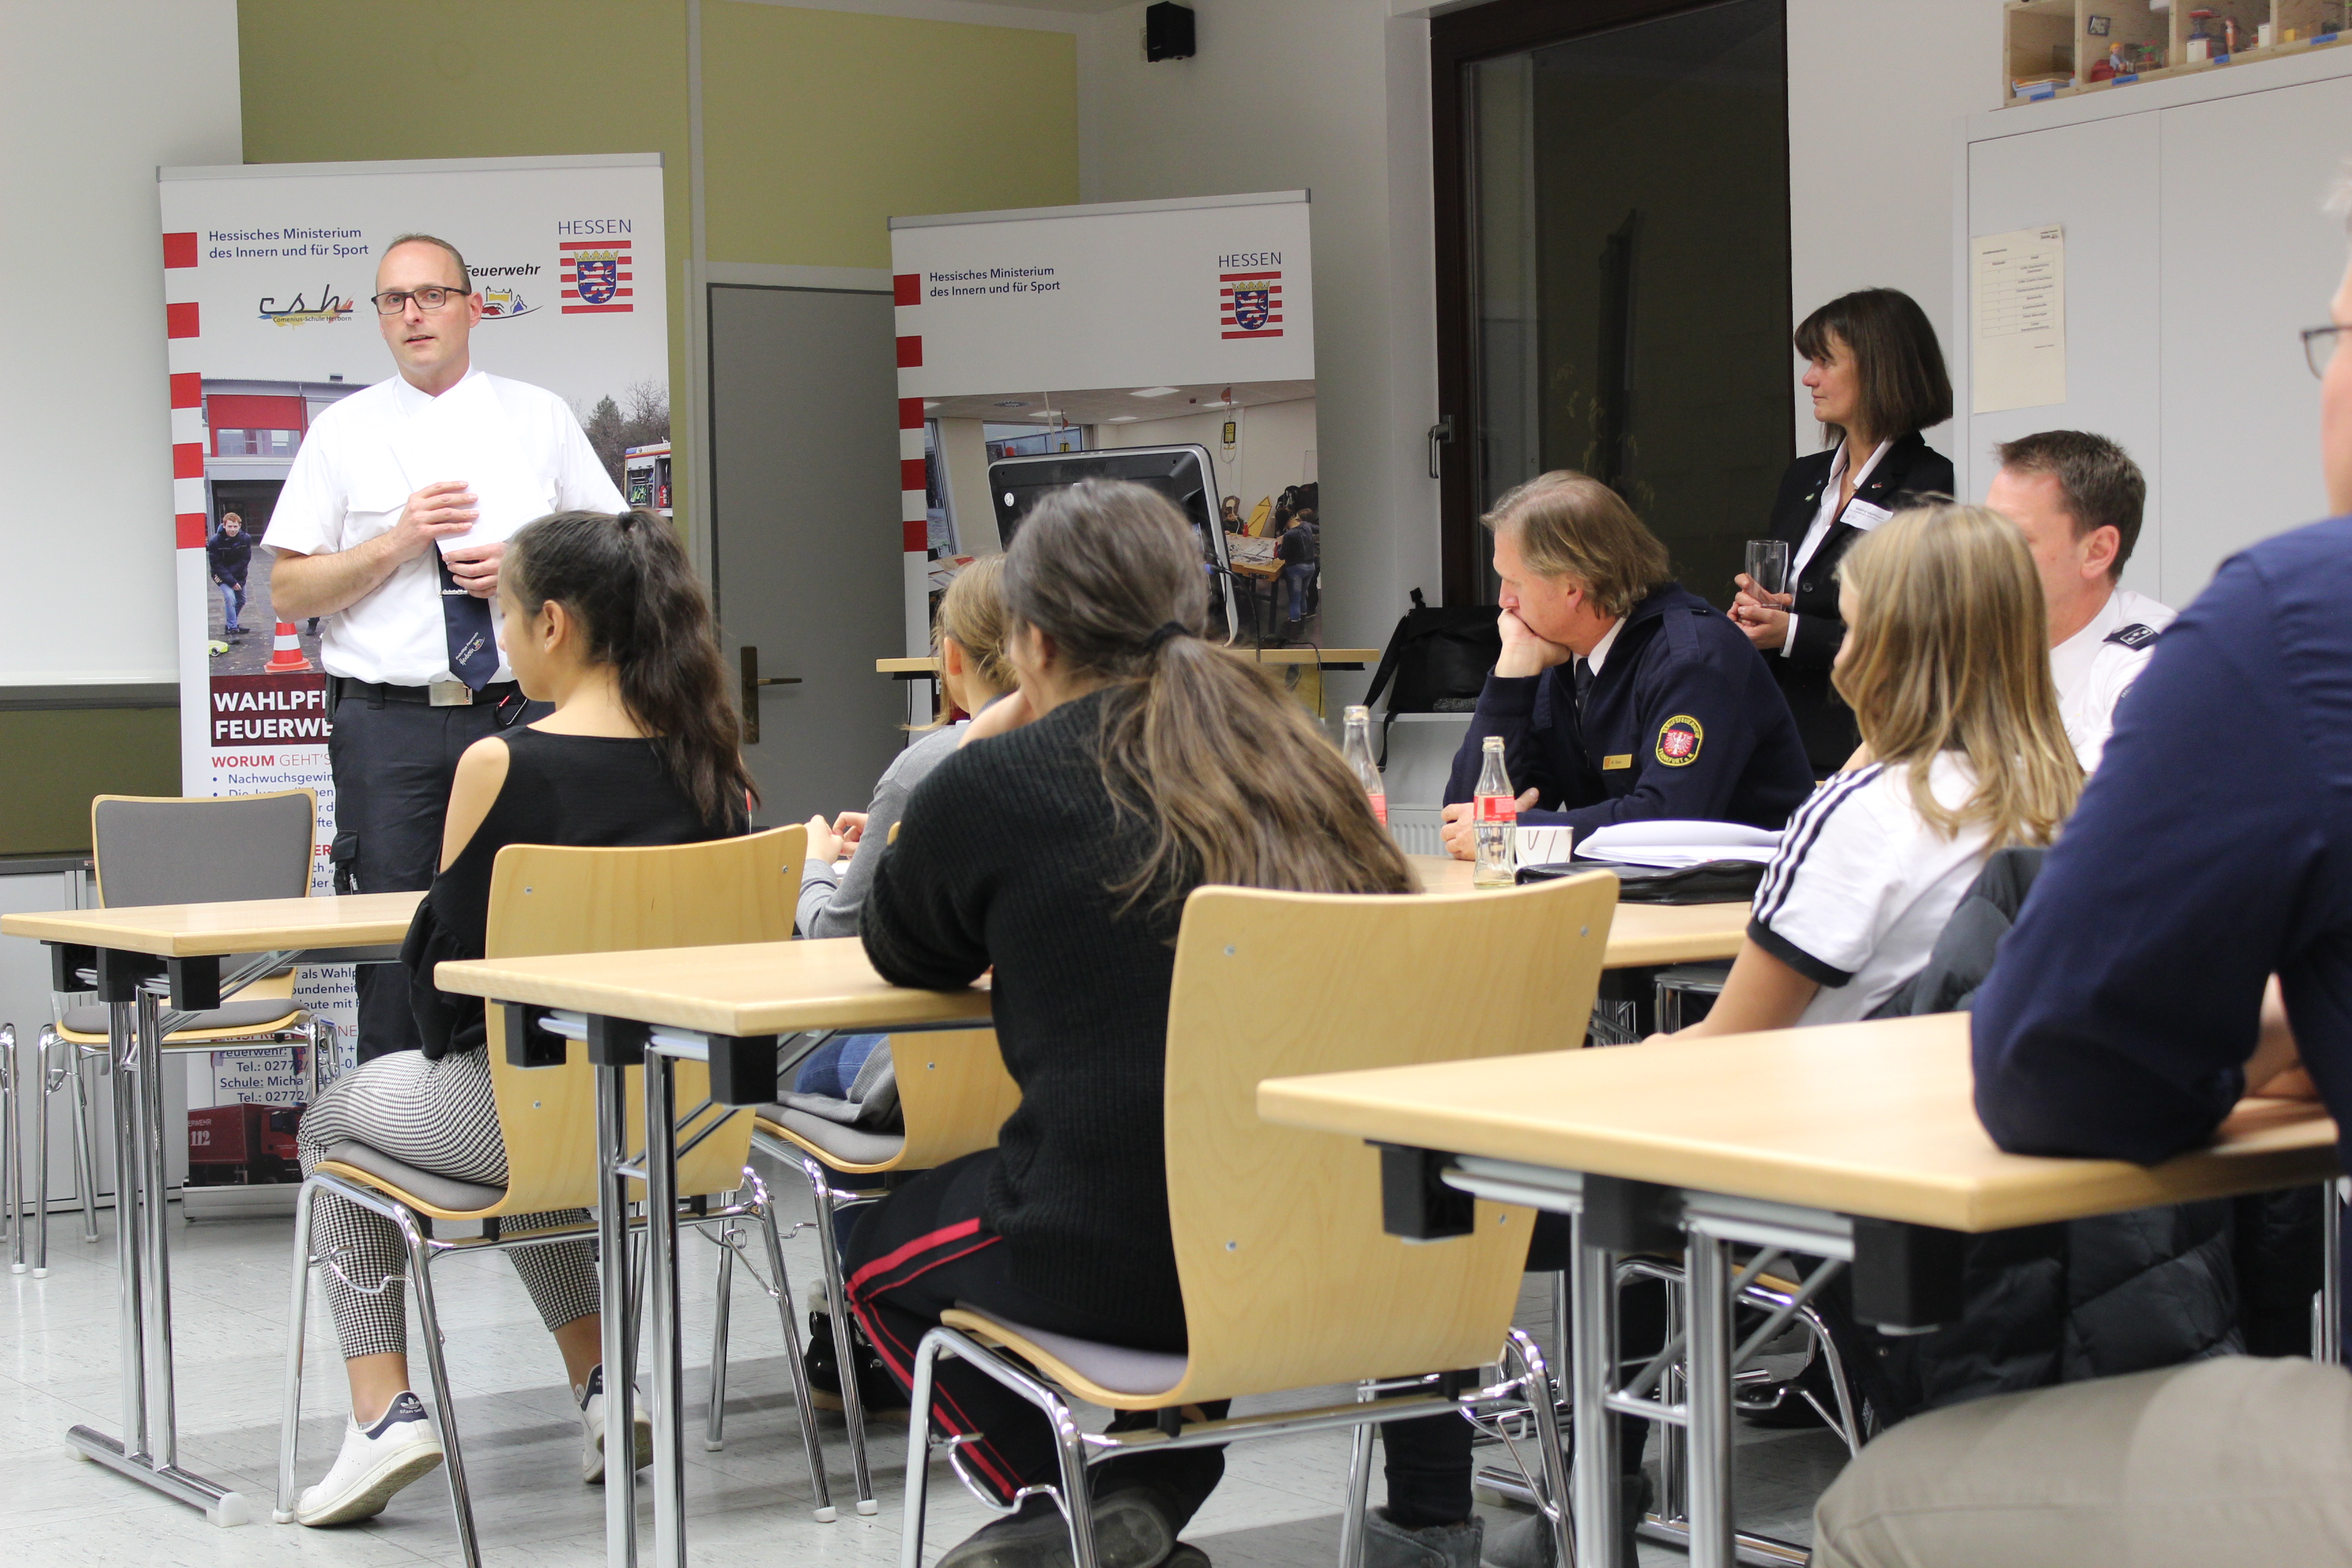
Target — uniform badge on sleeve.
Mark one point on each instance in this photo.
(2135, 636)
(1678, 741)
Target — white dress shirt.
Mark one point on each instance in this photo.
(2093, 672)
(1601, 649)
(1826, 518)
(347, 486)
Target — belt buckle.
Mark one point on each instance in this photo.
(449, 694)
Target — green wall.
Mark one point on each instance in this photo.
(818, 126)
(59, 758)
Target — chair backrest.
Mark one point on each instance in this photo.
(953, 1094)
(546, 899)
(167, 849)
(1289, 1280)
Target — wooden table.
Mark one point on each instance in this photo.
(723, 1005)
(137, 957)
(1641, 936)
(1855, 1143)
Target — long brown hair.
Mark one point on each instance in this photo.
(1948, 650)
(1237, 781)
(1901, 379)
(627, 580)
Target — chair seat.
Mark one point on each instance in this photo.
(437, 1191)
(831, 1141)
(1118, 1369)
(87, 1025)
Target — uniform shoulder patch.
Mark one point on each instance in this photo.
(1678, 741)
(2136, 635)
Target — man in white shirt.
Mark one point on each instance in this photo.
(414, 674)
(2078, 499)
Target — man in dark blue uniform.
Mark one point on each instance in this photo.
(2128, 1009)
(1620, 696)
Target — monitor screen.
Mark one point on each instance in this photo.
(1180, 473)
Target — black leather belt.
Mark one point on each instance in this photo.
(440, 694)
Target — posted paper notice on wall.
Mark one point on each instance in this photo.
(2018, 283)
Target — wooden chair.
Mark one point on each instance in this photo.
(548, 899)
(162, 849)
(1289, 1280)
(953, 1095)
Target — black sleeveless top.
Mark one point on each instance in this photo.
(596, 791)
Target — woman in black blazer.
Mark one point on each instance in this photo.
(1877, 379)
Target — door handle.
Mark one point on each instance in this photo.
(752, 681)
(1440, 434)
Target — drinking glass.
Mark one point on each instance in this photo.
(1768, 564)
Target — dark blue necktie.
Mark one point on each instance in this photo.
(1583, 677)
(473, 648)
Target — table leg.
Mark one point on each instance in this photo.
(661, 1295)
(2327, 1343)
(122, 1043)
(612, 1273)
(1592, 1361)
(162, 1400)
(1707, 1268)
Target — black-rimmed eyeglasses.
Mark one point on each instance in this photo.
(432, 297)
(2319, 347)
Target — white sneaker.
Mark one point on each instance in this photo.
(376, 1462)
(592, 1429)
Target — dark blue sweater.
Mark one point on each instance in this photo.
(2212, 848)
(1684, 721)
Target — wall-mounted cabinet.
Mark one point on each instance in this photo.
(2052, 48)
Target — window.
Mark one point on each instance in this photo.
(255, 443)
(1029, 441)
(1613, 267)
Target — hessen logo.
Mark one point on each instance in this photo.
(1249, 300)
(597, 275)
(299, 312)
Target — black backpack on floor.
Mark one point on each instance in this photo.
(1437, 661)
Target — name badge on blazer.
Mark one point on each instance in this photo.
(1620, 759)
(1864, 515)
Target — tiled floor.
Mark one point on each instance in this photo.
(749, 1503)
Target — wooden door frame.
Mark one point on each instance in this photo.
(1457, 40)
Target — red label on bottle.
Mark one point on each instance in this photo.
(1380, 808)
(1497, 808)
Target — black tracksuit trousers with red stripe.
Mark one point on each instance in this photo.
(924, 1250)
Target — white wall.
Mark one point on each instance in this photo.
(1330, 95)
(1872, 113)
(99, 93)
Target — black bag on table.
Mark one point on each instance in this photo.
(1437, 661)
(1709, 883)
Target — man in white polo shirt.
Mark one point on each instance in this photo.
(2078, 497)
(415, 671)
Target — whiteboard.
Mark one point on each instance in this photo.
(2197, 246)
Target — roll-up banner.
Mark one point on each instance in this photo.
(1169, 342)
(267, 274)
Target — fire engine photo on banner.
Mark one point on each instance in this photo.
(268, 275)
(1170, 344)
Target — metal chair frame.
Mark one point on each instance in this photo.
(424, 1248)
(1080, 1450)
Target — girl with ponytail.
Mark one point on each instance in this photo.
(603, 618)
(1135, 763)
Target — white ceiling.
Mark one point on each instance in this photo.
(1103, 405)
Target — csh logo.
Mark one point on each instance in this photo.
(1250, 303)
(298, 312)
(597, 275)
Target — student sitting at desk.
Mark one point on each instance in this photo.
(602, 616)
(1944, 664)
(1619, 695)
(1135, 763)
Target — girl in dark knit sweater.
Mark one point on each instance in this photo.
(1135, 763)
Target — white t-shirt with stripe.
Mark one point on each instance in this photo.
(1862, 885)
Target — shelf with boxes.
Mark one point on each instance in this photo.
(2054, 49)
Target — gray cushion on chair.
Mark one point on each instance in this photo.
(249, 1015)
(441, 1191)
(202, 851)
(850, 1145)
(1120, 1368)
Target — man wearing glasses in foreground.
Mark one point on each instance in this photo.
(414, 674)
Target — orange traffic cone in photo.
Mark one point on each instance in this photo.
(286, 653)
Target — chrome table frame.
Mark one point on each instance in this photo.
(134, 987)
(1710, 1225)
(744, 1073)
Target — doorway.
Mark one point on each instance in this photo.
(1613, 267)
(807, 565)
